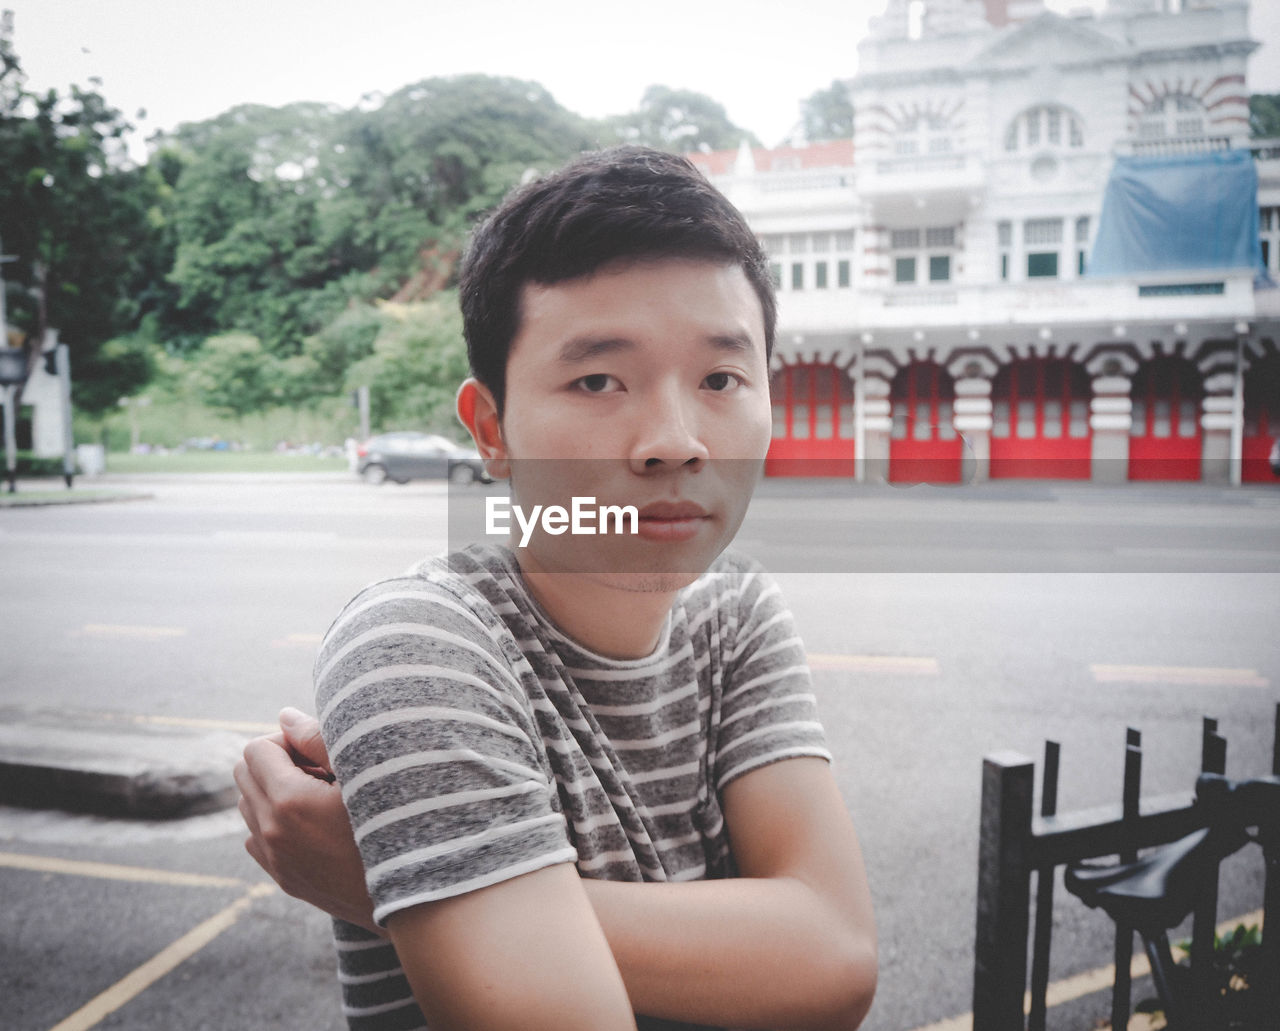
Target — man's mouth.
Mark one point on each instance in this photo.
(672, 520)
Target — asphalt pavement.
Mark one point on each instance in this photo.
(145, 642)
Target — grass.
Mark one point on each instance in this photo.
(223, 462)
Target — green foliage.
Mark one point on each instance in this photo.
(828, 113)
(79, 218)
(417, 363)
(679, 120)
(1264, 115)
(234, 374)
(119, 368)
(1238, 970)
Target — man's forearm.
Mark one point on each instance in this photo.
(753, 953)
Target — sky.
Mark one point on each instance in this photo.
(193, 59)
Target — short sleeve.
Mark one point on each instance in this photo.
(768, 711)
(434, 746)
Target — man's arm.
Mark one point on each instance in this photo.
(790, 943)
(526, 953)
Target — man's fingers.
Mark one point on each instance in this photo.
(302, 735)
(268, 762)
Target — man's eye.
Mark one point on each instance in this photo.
(722, 381)
(597, 383)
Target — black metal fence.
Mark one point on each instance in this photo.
(1014, 843)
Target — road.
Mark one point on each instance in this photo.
(953, 623)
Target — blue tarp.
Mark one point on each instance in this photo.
(1186, 212)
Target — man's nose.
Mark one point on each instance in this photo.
(669, 434)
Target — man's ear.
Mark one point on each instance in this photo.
(479, 414)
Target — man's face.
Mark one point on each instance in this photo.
(645, 384)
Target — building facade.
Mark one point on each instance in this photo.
(939, 319)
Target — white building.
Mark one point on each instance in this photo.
(939, 316)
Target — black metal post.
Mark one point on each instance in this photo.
(1004, 893)
(1121, 990)
(1213, 759)
(1044, 897)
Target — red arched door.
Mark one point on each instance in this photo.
(1261, 419)
(924, 446)
(812, 422)
(1165, 437)
(1040, 421)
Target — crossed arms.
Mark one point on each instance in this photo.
(790, 943)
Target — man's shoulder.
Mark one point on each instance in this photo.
(470, 586)
(733, 579)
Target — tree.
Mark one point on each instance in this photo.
(233, 373)
(418, 361)
(681, 121)
(1264, 115)
(252, 240)
(80, 220)
(827, 114)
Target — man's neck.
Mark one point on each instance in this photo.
(609, 620)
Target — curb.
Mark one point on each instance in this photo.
(46, 499)
(109, 765)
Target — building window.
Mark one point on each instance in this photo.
(821, 243)
(820, 276)
(798, 243)
(1176, 114)
(902, 239)
(1004, 266)
(797, 276)
(1040, 231)
(1042, 265)
(1004, 233)
(923, 246)
(1269, 225)
(775, 273)
(1044, 126)
(844, 240)
(844, 270)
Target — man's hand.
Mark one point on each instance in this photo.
(299, 831)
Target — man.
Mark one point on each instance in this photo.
(585, 775)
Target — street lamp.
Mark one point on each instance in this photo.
(13, 373)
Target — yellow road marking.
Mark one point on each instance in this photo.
(239, 726)
(1200, 676)
(876, 664)
(137, 981)
(1071, 988)
(115, 872)
(297, 640)
(132, 632)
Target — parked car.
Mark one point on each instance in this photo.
(1274, 458)
(409, 455)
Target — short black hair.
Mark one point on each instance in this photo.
(606, 206)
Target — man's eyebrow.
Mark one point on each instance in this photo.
(739, 343)
(584, 349)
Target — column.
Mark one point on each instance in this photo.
(973, 422)
(877, 424)
(1110, 420)
(1217, 419)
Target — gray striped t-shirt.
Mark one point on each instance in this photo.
(475, 742)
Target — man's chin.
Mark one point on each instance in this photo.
(648, 582)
